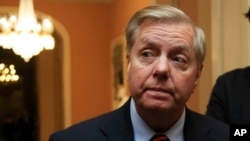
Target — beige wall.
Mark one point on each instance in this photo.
(230, 35)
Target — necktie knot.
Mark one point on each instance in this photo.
(159, 137)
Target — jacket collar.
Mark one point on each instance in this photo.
(120, 128)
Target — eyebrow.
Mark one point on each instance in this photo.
(151, 42)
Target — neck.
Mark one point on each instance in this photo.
(160, 121)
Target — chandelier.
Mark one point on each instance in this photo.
(26, 35)
(8, 73)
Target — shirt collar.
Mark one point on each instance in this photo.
(142, 132)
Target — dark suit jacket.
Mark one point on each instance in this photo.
(117, 126)
(230, 97)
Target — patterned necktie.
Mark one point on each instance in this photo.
(159, 137)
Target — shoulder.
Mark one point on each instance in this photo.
(206, 126)
(85, 130)
(236, 74)
(200, 119)
(96, 128)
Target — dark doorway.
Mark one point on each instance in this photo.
(18, 100)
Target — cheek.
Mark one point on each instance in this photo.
(184, 86)
(136, 77)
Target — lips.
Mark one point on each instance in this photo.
(159, 90)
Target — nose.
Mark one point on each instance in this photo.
(161, 69)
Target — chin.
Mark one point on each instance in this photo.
(158, 106)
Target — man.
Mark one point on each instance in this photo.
(229, 101)
(165, 53)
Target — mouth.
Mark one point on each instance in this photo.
(159, 91)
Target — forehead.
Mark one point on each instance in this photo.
(178, 32)
(165, 24)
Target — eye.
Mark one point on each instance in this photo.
(180, 62)
(179, 59)
(146, 54)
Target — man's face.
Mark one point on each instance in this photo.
(162, 66)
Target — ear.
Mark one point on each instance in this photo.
(198, 75)
(128, 61)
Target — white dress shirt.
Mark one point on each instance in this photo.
(142, 132)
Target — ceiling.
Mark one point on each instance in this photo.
(79, 1)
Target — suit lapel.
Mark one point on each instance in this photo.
(120, 128)
(193, 130)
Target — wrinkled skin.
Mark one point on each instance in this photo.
(162, 70)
